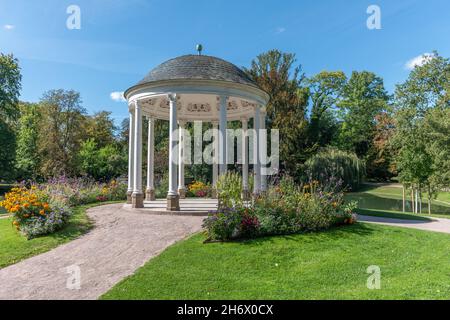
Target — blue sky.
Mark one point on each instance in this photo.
(120, 41)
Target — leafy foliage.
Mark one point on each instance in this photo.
(275, 73)
(363, 98)
(284, 209)
(27, 164)
(103, 163)
(61, 132)
(339, 164)
(421, 137)
(10, 85)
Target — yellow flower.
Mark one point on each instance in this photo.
(42, 212)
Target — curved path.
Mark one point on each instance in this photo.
(122, 241)
(435, 224)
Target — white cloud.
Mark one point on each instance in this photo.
(280, 30)
(418, 61)
(9, 26)
(117, 96)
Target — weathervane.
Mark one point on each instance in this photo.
(199, 48)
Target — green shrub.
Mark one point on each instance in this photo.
(342, 165)
(229, 189)
(223, 224)
(163, 186)
(284, 209)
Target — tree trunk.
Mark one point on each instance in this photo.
(412, 200)
(417, 202)
(429, 201)
(404, 199)
(420, 201)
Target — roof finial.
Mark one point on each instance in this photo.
(199, 48)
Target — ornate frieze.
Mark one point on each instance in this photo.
(199, 107)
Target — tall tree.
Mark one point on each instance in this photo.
(420, 101)
(61, 132)
(275, 72)
(325, 92)
(10, 85)
(27, 163)
(101, 128)
(380, 158)
(363, 98)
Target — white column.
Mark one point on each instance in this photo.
(256, 146)
(244, 158)
(181, 186)
(150, 192)
(263, 149)
(173, 203)
(215, 168)
(223, 135)
(130, 156)
(137, 196)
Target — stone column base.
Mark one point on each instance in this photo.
(214, 193)
(137, 200)
(150, 195)
(182, 193)
(129, 193)
(173, 202)
(245, 195)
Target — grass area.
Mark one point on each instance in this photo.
(325, 265)
(397, 193)
(392, 214)
(14, 247)
(386, 201)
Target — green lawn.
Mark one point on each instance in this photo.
(325, 265)
(392, 214)
(15, 247)
(386, 201)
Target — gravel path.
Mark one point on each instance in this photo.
(122, 241)
(436, 224)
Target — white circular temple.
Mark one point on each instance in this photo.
(186, 89)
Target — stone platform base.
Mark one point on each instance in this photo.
(150, 195)
(173, 203)
(188, 207)
(137, 200)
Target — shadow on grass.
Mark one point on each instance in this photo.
(393, 215)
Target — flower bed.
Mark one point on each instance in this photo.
(283, 209)
(199, 189)
(45, 208)
(35, 212)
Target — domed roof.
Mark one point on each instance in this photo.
(198, 67)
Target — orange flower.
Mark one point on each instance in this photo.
(42, 212)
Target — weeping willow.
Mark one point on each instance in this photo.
(339, 164)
